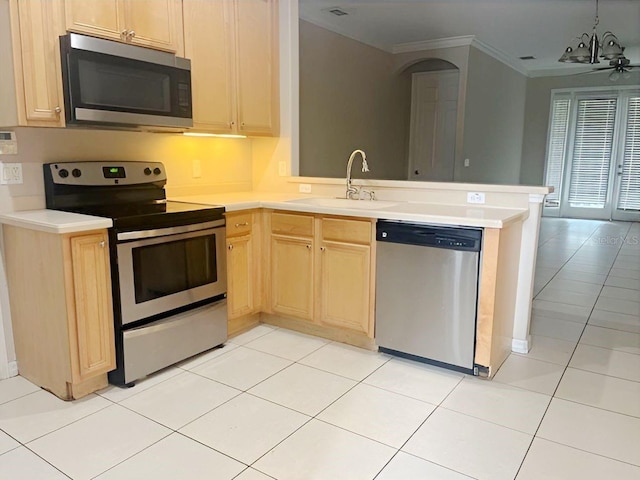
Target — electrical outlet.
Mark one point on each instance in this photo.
(282, 169)
(475, 197)
(196, 168)
(10, 173)
(466, 162)
(304, 188)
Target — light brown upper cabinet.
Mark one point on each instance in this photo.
(147, 23)
(33, 96)
(233, 47)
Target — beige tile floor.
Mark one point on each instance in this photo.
(274, 404)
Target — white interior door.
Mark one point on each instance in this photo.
(432, 134)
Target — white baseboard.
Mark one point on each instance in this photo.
(520, 346)
(13, 369)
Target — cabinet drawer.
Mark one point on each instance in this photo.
(342, 230)
(239, 224)
(292, 224)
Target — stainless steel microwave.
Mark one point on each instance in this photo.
(111, 83)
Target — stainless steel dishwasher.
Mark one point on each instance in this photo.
(427, 292)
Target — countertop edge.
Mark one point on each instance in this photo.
(72, 223)
(515, 216)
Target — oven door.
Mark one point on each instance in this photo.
(170, 268)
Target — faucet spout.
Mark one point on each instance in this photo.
(351, 190)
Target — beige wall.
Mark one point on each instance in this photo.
(538, 102)
(494, 122)
(350, 97)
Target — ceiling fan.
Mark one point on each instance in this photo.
(621, 68)
(590, 48)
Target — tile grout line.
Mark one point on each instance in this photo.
(535, 435)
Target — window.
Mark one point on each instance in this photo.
(593, 154)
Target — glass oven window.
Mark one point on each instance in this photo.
(172, 267)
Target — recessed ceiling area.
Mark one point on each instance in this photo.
(515, 28)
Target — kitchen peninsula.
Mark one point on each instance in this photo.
(269, 235)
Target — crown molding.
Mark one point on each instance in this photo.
(500, 56)
(461, 41)
(433, 44)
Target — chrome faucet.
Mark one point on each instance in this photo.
(351, 190)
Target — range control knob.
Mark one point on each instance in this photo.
(147, 171)
(64, 173)
(157, 171)
(76, 172)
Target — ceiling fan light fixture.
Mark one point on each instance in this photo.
(589, 48)
(567, 56)
(611, 48)
(581, 54)
(614, 76)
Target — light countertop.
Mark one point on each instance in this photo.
(55, 221)
(465, 215)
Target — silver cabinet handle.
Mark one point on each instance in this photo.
(124, 34)
(308, 247)
(57, 110)
(132, 33)
(323, 249)
(102, 244)
(243, 224)
(230, 247)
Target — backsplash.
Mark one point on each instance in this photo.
(219, 164)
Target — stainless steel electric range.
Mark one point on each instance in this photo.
(167, 261)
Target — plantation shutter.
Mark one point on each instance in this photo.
(630, 183)
(591, 159)
(556, 148)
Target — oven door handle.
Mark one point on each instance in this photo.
(161, 232)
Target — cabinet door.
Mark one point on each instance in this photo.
(37, 57)
(208, 43)
(257, 64)
(292, 276)
(91, 331)
(155, 23)
(240, 274)
(100, 18)
(345, 276)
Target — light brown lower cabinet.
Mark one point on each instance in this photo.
(244, 268)
(61, 310)
(322, 272)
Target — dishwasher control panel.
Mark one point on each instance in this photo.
(438, 236)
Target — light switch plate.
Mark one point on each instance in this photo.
(475, 197)
(304, 188)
